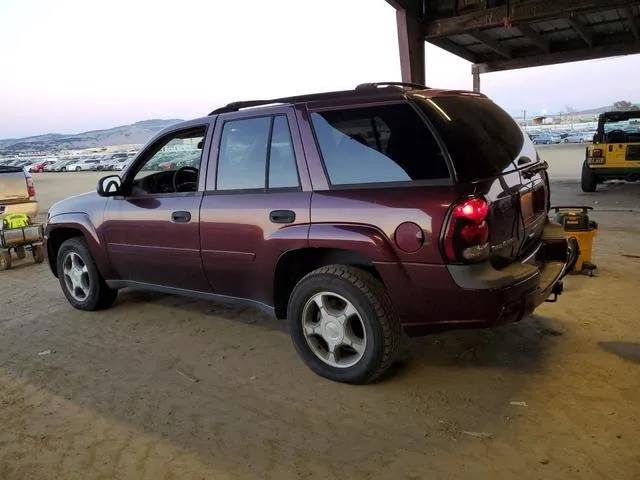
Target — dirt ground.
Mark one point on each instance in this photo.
(98, 395)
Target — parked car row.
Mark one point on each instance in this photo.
(550, 138)
(113, 162)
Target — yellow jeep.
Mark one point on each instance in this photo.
(615, 151)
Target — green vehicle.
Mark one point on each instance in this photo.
(17, 233)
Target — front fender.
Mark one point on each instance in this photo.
(67, 225)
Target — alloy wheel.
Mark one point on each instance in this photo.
(76, 276)
(334, 330)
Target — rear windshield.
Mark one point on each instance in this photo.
(482, 139)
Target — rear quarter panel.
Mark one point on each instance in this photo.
(365, 220)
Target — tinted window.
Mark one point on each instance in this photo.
(243, 154)
(482, 139)
(282, 161)
(381, 144)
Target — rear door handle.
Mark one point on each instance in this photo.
(282, 216)
(181, 217)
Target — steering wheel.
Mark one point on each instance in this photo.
(182, 170)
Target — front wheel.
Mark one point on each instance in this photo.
(80, 279)
(343, 325)
(588, 179)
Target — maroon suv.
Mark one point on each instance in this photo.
(357, 215)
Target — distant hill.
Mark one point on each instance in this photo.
(137, 133)
(593, 111)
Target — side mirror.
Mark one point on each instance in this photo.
(109, 186)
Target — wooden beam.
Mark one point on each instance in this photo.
(517, 12)
(633, 26)
(491, 42)
(580, 29)
(454, 48)
(535, 37)
(397, 4)
(411, 45)
(602, 51)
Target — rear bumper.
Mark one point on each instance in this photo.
(28, 208)
(441, 297)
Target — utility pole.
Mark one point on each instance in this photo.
(524, 119)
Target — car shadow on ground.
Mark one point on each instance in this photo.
(627, 350)
(517, 346)
(245, 315)
(124, 366)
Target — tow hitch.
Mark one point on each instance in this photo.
(557, 289)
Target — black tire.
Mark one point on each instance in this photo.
(99, 296)
(78, 169)
(588, 179)
(21, 253)
(5, 260)
(38, 253)
(375, 310)
(574, 249)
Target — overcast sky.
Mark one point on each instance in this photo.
(75, 65)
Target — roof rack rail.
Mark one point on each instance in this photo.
(235, 106)
(366, 86)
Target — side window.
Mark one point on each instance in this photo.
(283, 171)
(173, 164)
(249, 148)
(381, 144)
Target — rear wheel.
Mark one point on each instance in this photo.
(21, 252)
(80, 279)
(588, 179)
(38, 253)
(343, 325)
(5, 260)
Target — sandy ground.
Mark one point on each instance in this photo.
(98, 395)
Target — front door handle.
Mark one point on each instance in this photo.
(181, 217)
(282, 216)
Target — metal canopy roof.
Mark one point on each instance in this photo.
(506, 34)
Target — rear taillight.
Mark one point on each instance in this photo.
(467, 235)
(31, 188)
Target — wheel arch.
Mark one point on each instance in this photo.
(69, 225)
(295, 264)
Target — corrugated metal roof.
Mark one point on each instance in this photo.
(586, 28)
